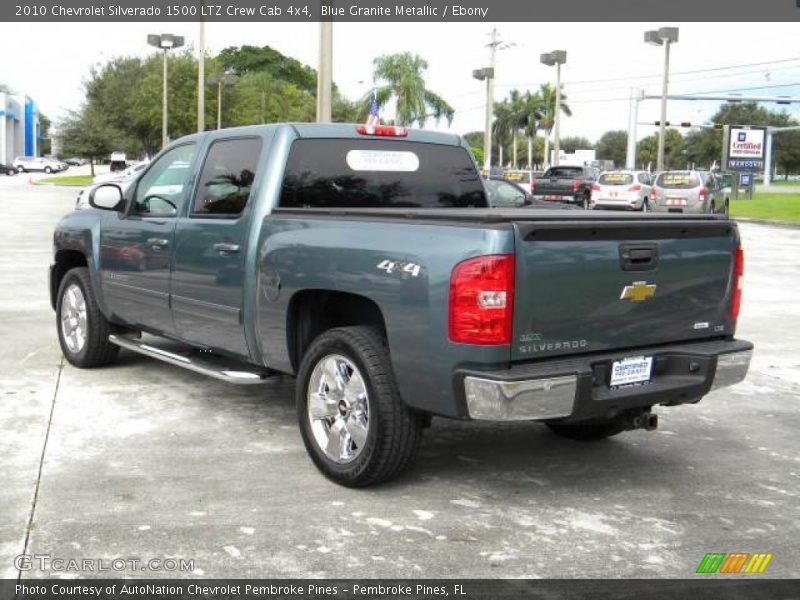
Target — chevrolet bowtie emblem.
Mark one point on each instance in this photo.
(638, 291)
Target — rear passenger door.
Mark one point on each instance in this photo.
(210, 248)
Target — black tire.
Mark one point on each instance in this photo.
(48, 170)
(20, 169)
(725, 209)
(592, 431)
(394, 431)
(712, 208)
(586, 199)
(645, 206)
(96, 350)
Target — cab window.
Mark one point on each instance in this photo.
(161, 189)
(227, 178)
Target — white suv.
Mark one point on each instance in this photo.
(38, 163)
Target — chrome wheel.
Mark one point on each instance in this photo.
(73, 318)
(338, 408)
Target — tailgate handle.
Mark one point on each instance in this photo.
(638, 257)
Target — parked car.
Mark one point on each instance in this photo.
(502, 193)
(7, 169)
(76, 161)
(622, 190)
(123, 178)
(565, 184)
(23, 164)
(695, 192)
(118, 161)
(368, 264)
(121, 175)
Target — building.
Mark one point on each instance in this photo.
(19, 127)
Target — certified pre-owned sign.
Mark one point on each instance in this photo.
(746, 148)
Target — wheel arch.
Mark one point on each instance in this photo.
(312, 312)
(64, 261)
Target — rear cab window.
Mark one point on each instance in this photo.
(356, 173)
(564, 172)
(678, 180)
(615, 179)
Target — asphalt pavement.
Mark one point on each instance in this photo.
(144, 461)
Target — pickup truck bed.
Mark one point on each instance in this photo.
(389, 314)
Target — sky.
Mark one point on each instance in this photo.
(604, 61)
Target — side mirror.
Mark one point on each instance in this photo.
(107, 196)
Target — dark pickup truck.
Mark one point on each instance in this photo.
(367, 264)
(565, 184)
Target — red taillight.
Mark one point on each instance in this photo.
(482, 300)
(703, 193)
(736, 284)
(595, 187)
(636, 187)
(575, 185)
(533, 185)
(382, 130)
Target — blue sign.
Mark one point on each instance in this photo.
(745, 180)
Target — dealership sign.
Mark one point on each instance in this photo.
(746, 147)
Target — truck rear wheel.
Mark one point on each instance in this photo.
(82, 329)
(589, 432)
(354, 424)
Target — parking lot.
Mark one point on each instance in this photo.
(144, 460)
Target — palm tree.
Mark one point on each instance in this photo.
(533, 111)
(548, 95)
(271, 92)
(402, 76)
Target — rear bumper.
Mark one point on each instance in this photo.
(577, 389)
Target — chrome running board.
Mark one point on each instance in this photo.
(212, 366)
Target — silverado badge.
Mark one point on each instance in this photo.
(638, 291)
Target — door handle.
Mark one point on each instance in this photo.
(226, 249)
(157, 243)
(638, 257)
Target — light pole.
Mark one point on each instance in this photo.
(662, 37)
(325, 72)
(166, 42)
(201, 72)
(557, 58)
(225, 79)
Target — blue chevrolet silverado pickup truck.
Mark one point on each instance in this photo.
(367, 264)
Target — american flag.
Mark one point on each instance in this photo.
(373, 118)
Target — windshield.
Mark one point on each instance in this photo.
(615, 179)
(678, 180)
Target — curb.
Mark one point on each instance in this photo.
(782, 224)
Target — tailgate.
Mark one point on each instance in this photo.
(556, 187)
(587, 287)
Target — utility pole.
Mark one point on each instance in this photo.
(666, 36)
(487, 135)
(633, 118)
(557, 122)
(325, 72)
(201, 72)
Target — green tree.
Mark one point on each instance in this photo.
(402, 76)
(571, 143)
(533, 110)
(88, 134)
(613, 146)
(253, 59)
(674, 156)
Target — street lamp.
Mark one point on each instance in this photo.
(225, 79)
(166, 42)
(662, 37)
(557, 58)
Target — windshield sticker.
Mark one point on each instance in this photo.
(613, 177)
(676, 179)
(382, 160)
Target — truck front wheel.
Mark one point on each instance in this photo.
(589, 431)
(82, 329)
(354, 424)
